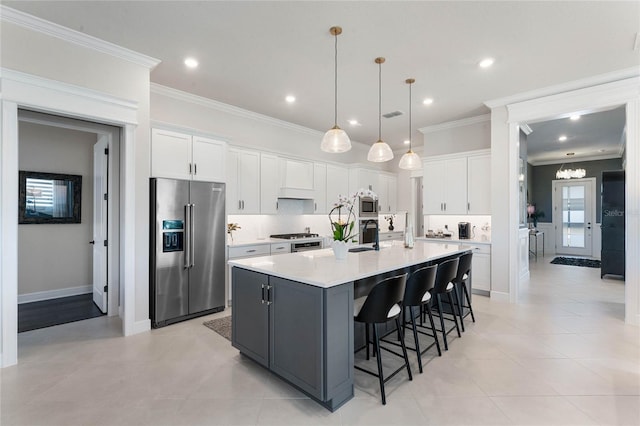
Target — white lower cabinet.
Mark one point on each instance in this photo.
(481, 267)
(391, 236)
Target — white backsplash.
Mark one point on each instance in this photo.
(438, 222)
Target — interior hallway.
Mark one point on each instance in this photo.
(561, 356)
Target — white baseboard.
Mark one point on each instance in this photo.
(500, 296)
(54, 294)
(141, 326)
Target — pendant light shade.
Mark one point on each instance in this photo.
(410, 160)
(380, 151)
(335, 140)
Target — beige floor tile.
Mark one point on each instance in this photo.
(461, 410)
(542, 410)
(295, 412)
(370, 411)
(610, 410)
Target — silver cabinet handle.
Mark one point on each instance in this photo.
(239, 205)
(251, 251)
(195, 169)
(468, 206)
(279, 248)
(269, 301)
(262, 301)
(189, 168)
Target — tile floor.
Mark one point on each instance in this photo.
(561, 356)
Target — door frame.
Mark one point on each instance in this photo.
(557, 224)
(20, 90)
(594, 94)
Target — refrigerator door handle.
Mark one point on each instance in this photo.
(192, 239)
(187, 236)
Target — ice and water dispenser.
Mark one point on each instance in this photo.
(172, 235)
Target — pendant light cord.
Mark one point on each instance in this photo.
(380, 101)
(410, 144)
(335, 83)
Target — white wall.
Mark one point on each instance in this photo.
(457, 136)
(40, 54)
(56, 256)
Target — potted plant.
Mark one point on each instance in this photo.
(534, 215)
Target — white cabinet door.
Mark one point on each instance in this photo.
(445, 186)
(296, 174)
(268, 184)
(170, 154)
(454, 186)
(387, 198)
(243, 182)
(320, 188)
(337, 184)
(208, 158)
(481, 271)
(479, 184)
(432, 184)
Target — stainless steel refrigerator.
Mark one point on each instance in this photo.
(187, 256)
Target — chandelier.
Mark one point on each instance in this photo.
(570, 173)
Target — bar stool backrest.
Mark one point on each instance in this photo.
(381, 299)
(446, 273)
(464, 267)
(420, 282)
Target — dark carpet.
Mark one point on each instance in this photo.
(576, 261)
(222, 326)
(47, 313)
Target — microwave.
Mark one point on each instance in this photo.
(368, 207)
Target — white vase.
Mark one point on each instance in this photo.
(340, 249)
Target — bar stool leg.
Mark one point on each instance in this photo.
(444, 331)
(404, 351)
(466, 293)
(433, 328)
(376, 345)
(455, 320)
(456, 295)
(366, 337)
(415, 339)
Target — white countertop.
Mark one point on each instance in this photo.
(478, 240)
(321, 269)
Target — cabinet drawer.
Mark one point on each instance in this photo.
(386, 236)
(247, 251)
(481, 249)
(280, 248)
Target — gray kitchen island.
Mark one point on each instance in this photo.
(293, 313)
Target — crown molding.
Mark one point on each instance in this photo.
(230, 109)
(34, 23)
(526, 129)
(573, 160)
(453, 124)
(566, 87)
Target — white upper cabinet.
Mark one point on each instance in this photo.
(479, 184)
(387, 196)
(457, 186)
(269, 184)
(296, 178)
(183, 156)
(320, 188)
(243, 182)
(337, 184)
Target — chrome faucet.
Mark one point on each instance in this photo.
(376, 245)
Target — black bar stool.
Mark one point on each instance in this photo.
(445, 274)
(417, 293)
(460, 282)
(378, 307)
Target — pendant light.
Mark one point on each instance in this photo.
(335, 140)
(380, 151)
(410, 160)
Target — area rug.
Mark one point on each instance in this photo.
(576, 261)
(222, 326)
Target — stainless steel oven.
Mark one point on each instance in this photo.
(368, 230)
(368, 207)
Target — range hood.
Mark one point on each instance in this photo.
(296, 193)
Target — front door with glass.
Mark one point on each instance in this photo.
(573, 216)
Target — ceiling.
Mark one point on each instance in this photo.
(253, 54)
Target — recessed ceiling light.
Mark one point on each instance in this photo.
(575, 117)
(354, 122)
(191, 63)
(291, 99)
(407, 142)
(486, 63)
(562, 138)
(428, 101)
